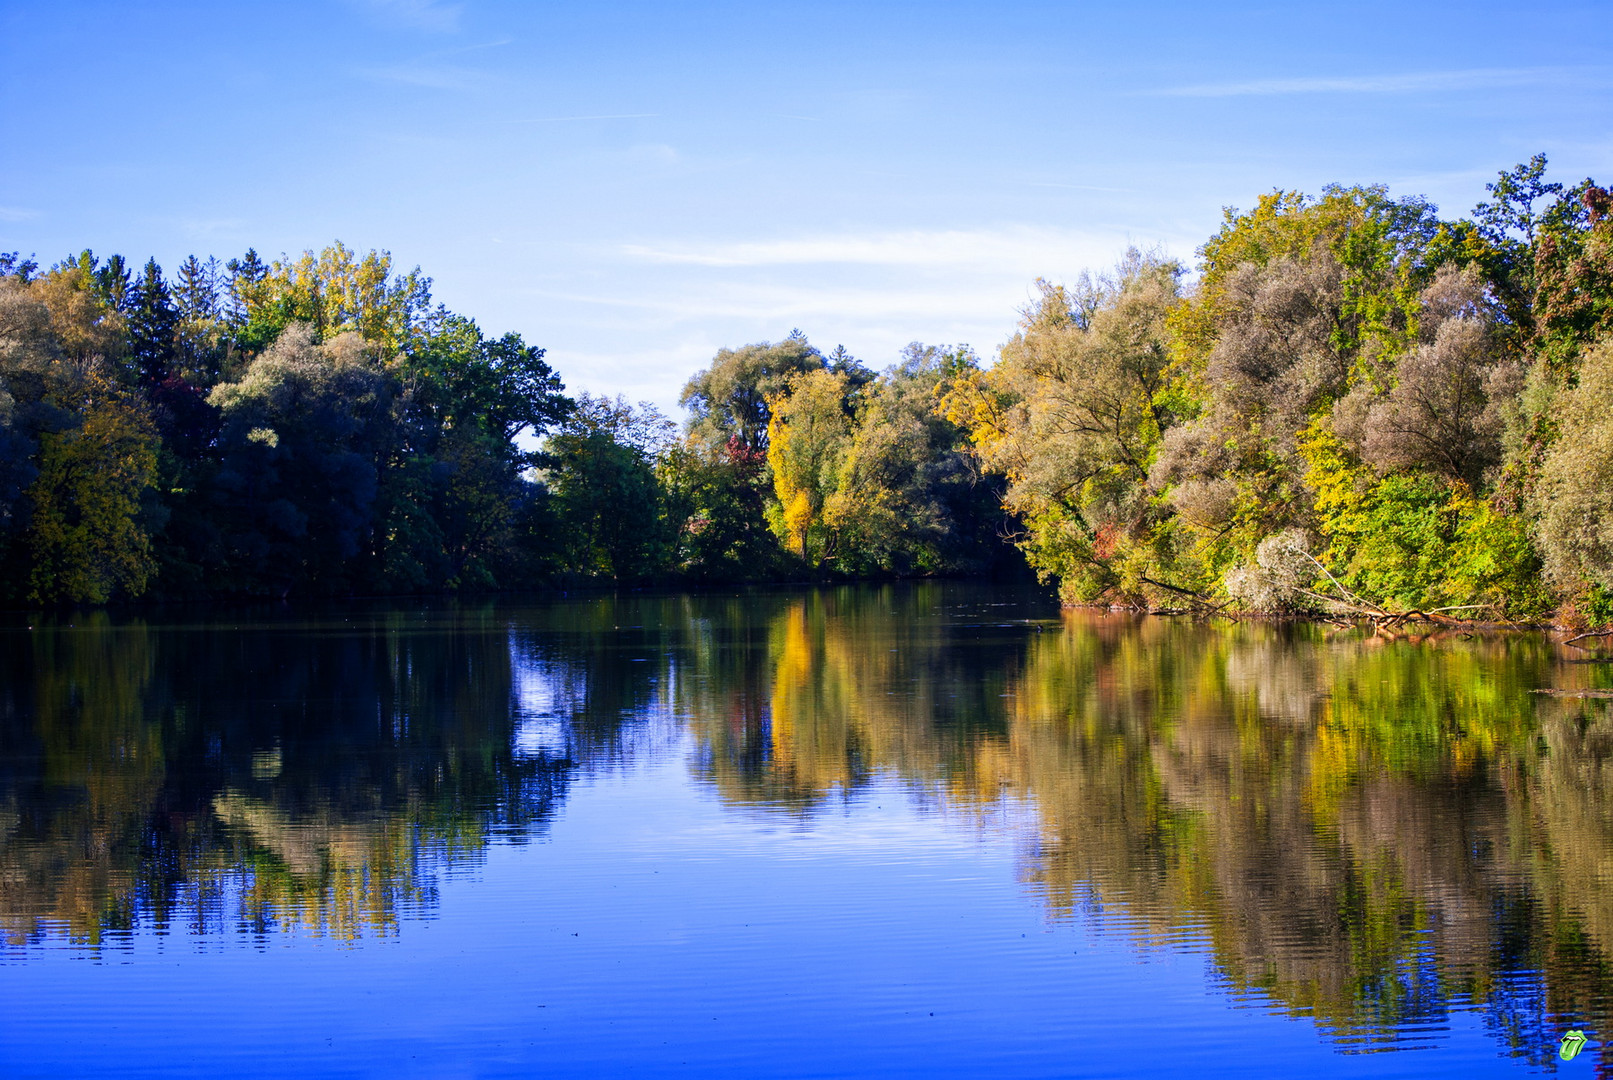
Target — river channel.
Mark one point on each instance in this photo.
(933, 829)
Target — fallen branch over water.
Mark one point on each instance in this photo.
(1382, 617)
(1203, 604)
(1554, 692)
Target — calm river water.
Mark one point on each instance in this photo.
(923, 830)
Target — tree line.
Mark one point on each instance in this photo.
(1352, 405)
(307, 426)
(316, 426)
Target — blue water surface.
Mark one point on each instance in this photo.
(761, 848)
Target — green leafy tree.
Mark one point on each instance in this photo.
(717, 511)
(27, 358)
(244, 291)
(1298, 299)
(306, 431)
(86, 539)
(1574, 266)
(458, 379)
(1447, 410)
(1073, 415)
(908, 498)
(733, 397)
(1506, 230)
(1575, 497)
(600, 465)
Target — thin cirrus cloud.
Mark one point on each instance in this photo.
(415, 14)
(874, 322)
(429, 76)
(1404, 83)
(568, 119)
(756, 303)
(1013, 249)
(432, 72)
(17, 213)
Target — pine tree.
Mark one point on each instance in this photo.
(112, 284)
(84, 260)
(200, 333)
(153, 323)
(195, 290)
(245, 274)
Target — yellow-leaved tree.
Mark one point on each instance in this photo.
(807, 438)
(338, 291)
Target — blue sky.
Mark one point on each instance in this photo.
(633, 186)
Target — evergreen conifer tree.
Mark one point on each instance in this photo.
(153, 321)
(245, 273)
(195, 289)
(112, 283)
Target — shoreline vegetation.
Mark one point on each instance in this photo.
(1353, 409)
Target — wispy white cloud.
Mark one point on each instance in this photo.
(17, 213)
(654, 374)
(203, 231)
(873, 292)
(874, 322)
(1403, 83)
(434, 71)
(416, 14)
(478, 47)
(1009, 248)
(765, 303)
(652, 154)
(211, 228)
(429, 75)
(1074, 187)
(567, 119)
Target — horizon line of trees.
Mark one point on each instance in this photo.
(318, 427)
(1357, 406)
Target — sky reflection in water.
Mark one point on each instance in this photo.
(926, 829)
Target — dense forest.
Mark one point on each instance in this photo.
(1351, 405)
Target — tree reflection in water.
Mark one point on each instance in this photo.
(272, 773)
(1370, 833)
(1367, 832)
